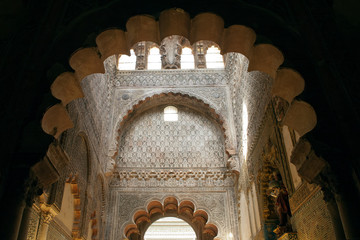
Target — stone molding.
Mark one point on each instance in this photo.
(173, 178)
(157, 78)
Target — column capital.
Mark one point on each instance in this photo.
(48, 212)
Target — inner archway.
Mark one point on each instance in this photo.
(170, 228)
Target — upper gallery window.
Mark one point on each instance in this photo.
(171, 114)
(149, 56)
(127, 62)
(187, 59)
(154, 59)
(213, 58)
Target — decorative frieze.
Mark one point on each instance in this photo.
(154, 78)
(172, 178)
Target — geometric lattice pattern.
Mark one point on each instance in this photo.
(194, 141)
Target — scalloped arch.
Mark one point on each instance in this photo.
(170, 206)
(205, 26)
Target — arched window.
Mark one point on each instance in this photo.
(213, 58)
(171, 114)
(170, 228)
(127, 62)
(187, 59)
(154, 59)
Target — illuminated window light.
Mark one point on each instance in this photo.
(187, 59)
(127, 62)
(213, 58)
(171, 114)
(154, 59)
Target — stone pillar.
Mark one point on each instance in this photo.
(46, 217)
(141, 52)
(33, 190)
(199, 52)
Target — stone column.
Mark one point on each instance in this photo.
(199, 52)
(46, 218)
(33, 190)
(141, 52)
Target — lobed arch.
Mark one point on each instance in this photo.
(265, 58)
(142, 218)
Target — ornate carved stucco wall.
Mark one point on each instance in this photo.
(201, 175)
(217, 203)
(185, 159)
(193, 141)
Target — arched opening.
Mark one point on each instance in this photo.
(154, 59)
(127, 62)
(170, 228)
(187, 59)
(171, 114)
(213, 58)
(171, 220)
